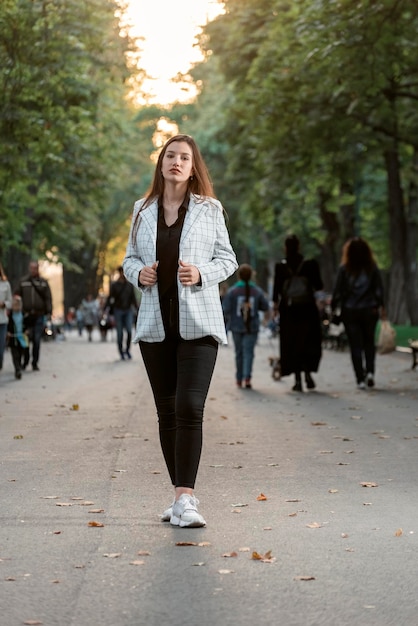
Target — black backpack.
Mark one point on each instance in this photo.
(296, 288)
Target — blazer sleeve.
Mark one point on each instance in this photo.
(132, 263)
(223, 262)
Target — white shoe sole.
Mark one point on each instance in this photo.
(196, 523)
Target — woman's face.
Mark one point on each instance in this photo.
(177, 163)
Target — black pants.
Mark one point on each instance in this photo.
(180, 373)
(20, 356)
(360, 326)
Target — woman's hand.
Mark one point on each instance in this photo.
(188, 274)
(148, 275)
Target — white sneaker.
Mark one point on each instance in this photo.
(370, 380)
(185, 513)
(166, 516)
(361, 385)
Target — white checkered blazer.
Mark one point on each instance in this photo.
(204, 242)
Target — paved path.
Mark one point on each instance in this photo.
(78, 445)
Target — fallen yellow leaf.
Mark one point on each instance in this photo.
(264, 558)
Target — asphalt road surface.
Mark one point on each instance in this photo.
(310, 498)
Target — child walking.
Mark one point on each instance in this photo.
(17, 336)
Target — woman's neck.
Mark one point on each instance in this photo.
(174, 195)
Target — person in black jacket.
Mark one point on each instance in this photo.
(295, 283)
(37, 307)
(358, 292)
(122, 304)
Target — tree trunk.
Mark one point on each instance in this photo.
(348, 211)
(79, 282)
(411, 246)
(396, 302)
(330, 249)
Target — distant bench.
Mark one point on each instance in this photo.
(414, 347)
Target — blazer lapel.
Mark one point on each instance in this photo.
(193, 214)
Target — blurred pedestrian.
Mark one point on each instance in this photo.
(296, 280)
(18, 339)
(358, 293)
(5, 305)
(122, 304)
(177, 254)
(241, 306)
(79, 316)
(37, 308)
(90, 314)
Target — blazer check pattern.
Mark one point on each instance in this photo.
(204, 242)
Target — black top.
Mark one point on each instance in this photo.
(308, 268)
(168, 241)
(122, 295)
(358, 292)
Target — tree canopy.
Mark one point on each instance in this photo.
(322, 127)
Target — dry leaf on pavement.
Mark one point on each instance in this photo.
(261, 497)
(264, 558)
(112, 555)
(314, 525)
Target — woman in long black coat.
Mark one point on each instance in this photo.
(300, 326)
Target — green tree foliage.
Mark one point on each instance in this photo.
(66, 130)
(323, 118)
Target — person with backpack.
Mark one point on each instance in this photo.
(241, 305)
(295, 282)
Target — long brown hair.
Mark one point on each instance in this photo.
(199, 183)
(357, 256)
(2, 273)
